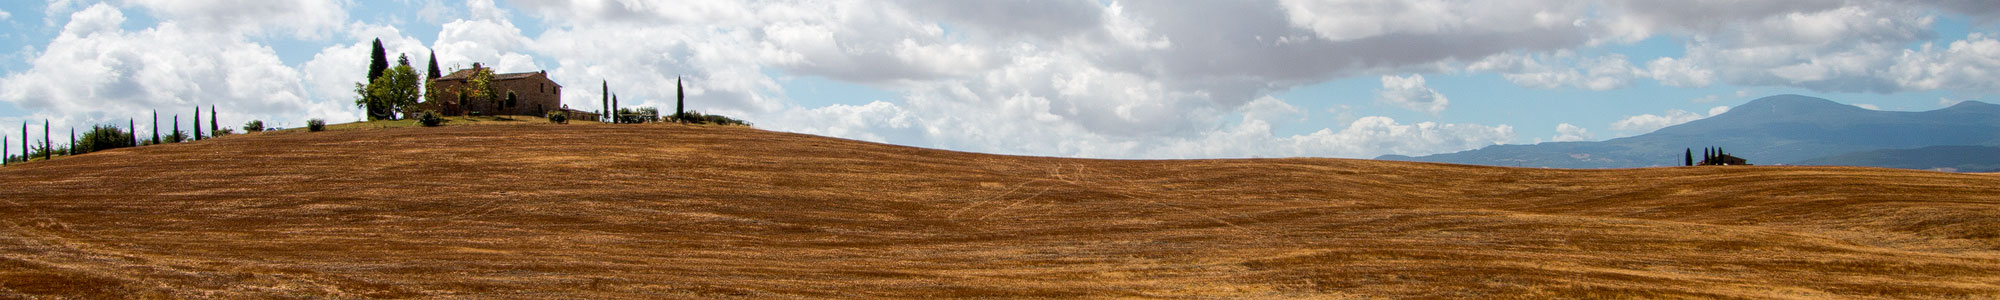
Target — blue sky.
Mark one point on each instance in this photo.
(1082, 78)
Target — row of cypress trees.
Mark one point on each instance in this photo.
(105, 137)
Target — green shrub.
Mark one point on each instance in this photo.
(103, 137)
(253, 126)
(430, 119)
(558, 117)
(697, 117)
(315, 125)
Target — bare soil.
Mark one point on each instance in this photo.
(673, 211)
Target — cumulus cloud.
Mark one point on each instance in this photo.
(4, 15)
(95, 72)
(1964, 65)
(305, 18)
(1410, 92)
(1566, 132)
(1640, 124)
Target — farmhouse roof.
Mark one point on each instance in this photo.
(463, 74)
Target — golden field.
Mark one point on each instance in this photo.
(671, 211)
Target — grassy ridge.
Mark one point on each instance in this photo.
(659, 210)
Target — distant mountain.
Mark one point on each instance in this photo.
(1945, 158)
(1782, 129)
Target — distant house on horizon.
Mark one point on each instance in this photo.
(529, 94)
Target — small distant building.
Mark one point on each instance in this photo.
(528, 94)
(577, 114)
(1716, 157)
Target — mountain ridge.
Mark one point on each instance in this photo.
(1779, 129)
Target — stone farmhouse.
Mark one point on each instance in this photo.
(528, 94)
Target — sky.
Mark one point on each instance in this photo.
(1069, 78)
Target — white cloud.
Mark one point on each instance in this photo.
(1566, 132)
(1867, 106)
(4, 15)
(1410, 92)
(1679, 73)
(1649, 122)
(1640, 124)
(1561, 69)
(95, 72)
(1361, 19)
(304, 18)
(1965, 65)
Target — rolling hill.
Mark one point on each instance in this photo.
(671, 211)
(1944, 158)
(1783, 129)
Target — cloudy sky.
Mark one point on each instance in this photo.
(1083, 78)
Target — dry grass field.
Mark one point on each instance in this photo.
(671, 211)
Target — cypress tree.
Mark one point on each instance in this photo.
(197, 122)
(607, 102)
(177, 129)
(614, 110)
(434, 74)
(680, 101)
(156, 126)
(24, 141)
(48, 141)
(378, 61)
(132, 127)
(1690, 157)
(72, 141)
(213, 127)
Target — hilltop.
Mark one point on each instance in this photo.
(673, 211)
(1782, 129)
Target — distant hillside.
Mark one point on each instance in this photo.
(1944, 158)
(664, 211)
(1783, 129)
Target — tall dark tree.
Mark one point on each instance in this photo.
(607, 102)
(72, 141)
(176, 135)
(434, 74)
(156, 126)
(48, 141)
(24, 141)
(213, 127)
(132, 127)
(1690, 157)
(378, 61)
(197, 122)
(680, 101)
(614, 110)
